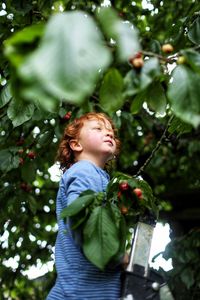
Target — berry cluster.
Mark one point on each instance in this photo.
(23, 154)
(126, 196)
(137, 60)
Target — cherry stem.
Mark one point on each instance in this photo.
(169, 59)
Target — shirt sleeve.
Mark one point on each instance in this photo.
(77, 185)
(82, 179)
(77, 182)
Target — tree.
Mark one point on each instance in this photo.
(61, 59)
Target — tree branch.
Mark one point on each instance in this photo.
(159, 143)
(169, 59)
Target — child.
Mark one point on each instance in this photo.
(87, 145)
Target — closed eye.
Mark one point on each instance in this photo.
(97, 128)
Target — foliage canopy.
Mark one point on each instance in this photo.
(78, 56)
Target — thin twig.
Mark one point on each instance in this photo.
(155, 149)
(169, 59)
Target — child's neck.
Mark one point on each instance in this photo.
(94, 160)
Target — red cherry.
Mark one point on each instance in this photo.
(138, 192)
(67, 116)
(138, 63)
(167, 48)
(124, 186)
(21, 161)
(20, 141)
(31, 155)
(138, 55)
(124, 210)
(24, 186)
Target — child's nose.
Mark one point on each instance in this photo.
(109, 133)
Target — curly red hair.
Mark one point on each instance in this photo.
(65, 154)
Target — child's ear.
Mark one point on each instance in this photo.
(75, 145)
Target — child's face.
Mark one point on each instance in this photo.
(97, 139)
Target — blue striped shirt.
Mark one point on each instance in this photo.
(77, 278)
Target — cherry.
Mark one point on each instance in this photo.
(124, 186)
(138, 63)
(181, 60)
(137, 60)
(67, 116)
(138, 193)
(24, 186)
(167, 48)
(124, 210)
(31, 154)
(20, 141)
(21, 161)
(138, 55)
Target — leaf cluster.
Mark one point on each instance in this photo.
(104, 225)
(184, 278)
(32, 110)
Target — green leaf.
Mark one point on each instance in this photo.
(124, 34)
(187, 276)
(19, 112)
(194, 31)
(32, 204)
(192, 58)
(5, 96)
(121, 225)
(179, 126)
(131, 84)
(8, 159)
(150, 70)
(116, 214)
(184, 93)
(13, 46)
(28, 171)
(67, 69)
(78, 219)
(26, 35)
(137, 102)
(78, 204)
(101, 237)
(41, 98)
(123, 237)
(135, 82)
(127, 41)
(111, 98)
(155, 46)
(156, 98)
(46, 138)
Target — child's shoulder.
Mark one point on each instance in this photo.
(86, 171)
(82, 167)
